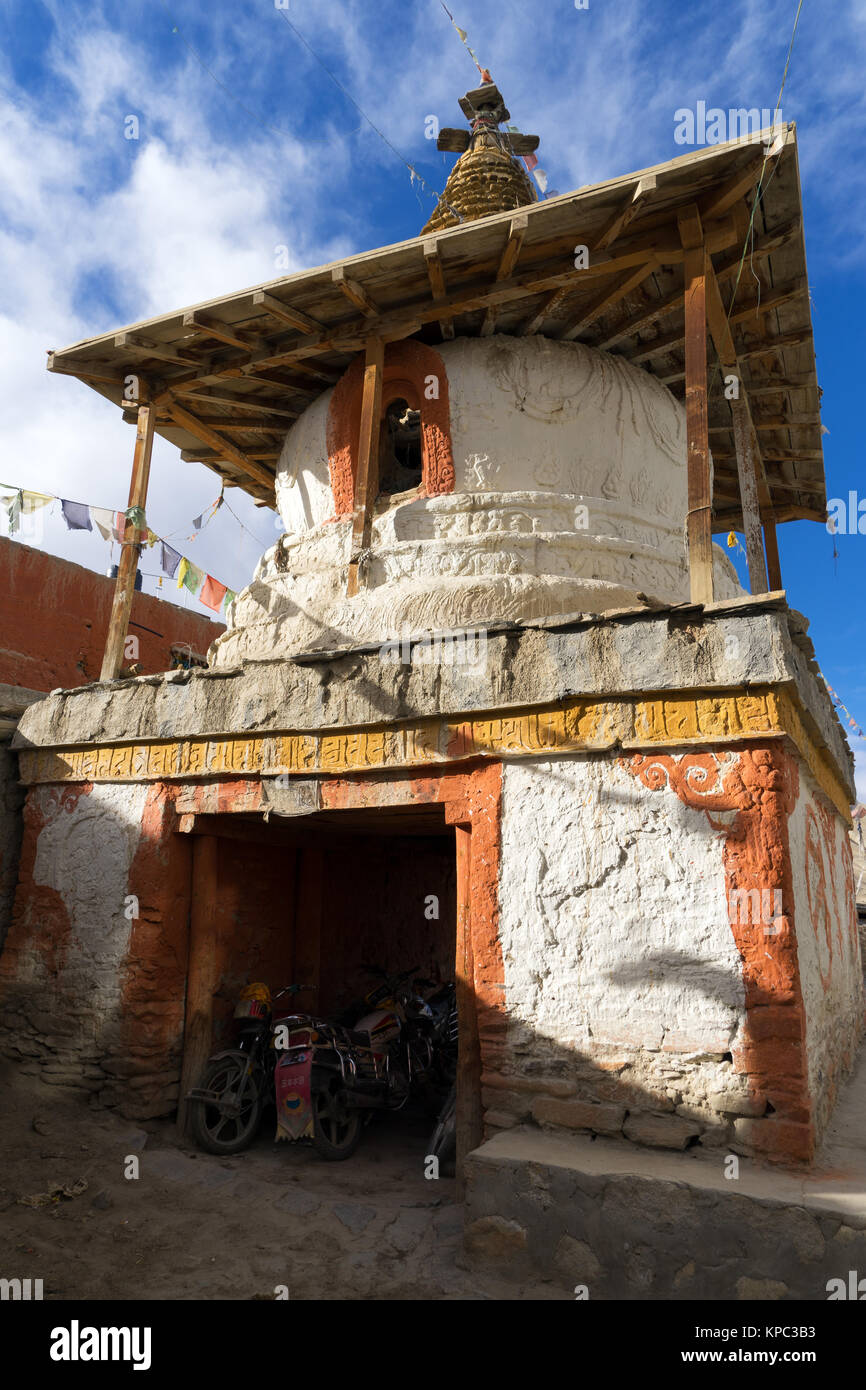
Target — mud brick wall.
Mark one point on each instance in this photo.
(59, 640)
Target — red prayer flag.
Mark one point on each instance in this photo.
(530, 160)
(212, 593)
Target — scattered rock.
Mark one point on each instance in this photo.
(763, 1290)
(102, 1201)
(576, 1262)
(41, 1125)
(407, 1229)
(494, 1238)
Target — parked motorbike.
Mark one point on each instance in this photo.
(330, 1075)
(225, 1109)
(326, 1077)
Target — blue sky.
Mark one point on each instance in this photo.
(263, 151)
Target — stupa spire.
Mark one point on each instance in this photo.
(487, 177)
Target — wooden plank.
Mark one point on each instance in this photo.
(700, 501)
(88, 371)
(293, 317)
(507, 262)
(124, 588)
(367, 479)
(222, 446)
(202, 969)
(354, 291)
(436, 276)
(623, 286)
(143, 347)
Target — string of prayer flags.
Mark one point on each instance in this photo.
(212, 593)
(852, 722)
(79, 516)
(189, 576)
(464, 39)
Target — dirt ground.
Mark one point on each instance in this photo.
(194, 1226)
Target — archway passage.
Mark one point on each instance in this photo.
(415, 374)
(397, 872)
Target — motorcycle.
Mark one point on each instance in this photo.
(330, 1076)
(325, 1077)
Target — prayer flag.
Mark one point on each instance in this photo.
(76, 515)
(169, 560)
(189, 577)
(212, 593)
(229, 598)
(104, 520)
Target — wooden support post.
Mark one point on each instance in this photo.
(700, 504)
(469, 1109)
(367, 479)
(774, 569)
(755, 500)
(749, 494)
(202, 969)
(118, 623)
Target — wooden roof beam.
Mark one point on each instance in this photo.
(293, 317)
(640, 196)
(436, 276)
(144, 347)
(354, 292)
(507, 261)
(721, 200)
(210, 327)
(223, 447)
(623, 286)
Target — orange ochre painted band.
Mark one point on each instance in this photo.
(574, 725)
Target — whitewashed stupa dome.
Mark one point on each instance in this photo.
(567, 495)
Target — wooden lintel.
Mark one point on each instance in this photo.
(367, 477)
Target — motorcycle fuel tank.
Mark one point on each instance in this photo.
(383, 1025)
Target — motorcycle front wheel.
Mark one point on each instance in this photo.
(230, 1124)
(336, 1126)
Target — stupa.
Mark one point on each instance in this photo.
(495, 659)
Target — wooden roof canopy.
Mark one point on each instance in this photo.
(229, 376)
